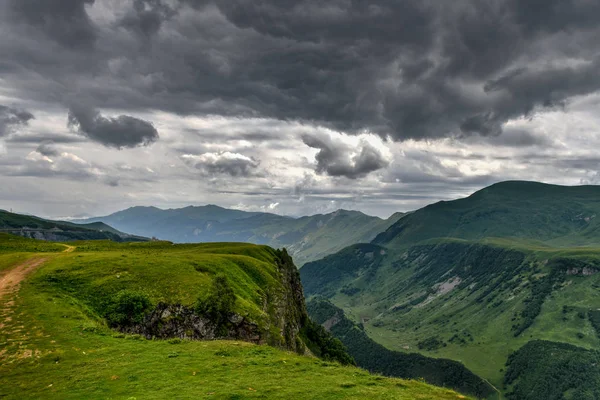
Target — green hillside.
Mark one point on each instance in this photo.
(543, 370)
(38, 228)
(376, 358)
(558, 215)
(440, 283)
(306, 238)
(84, 325)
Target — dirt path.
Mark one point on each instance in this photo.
(69, 249)
(11, 281)
(9, 286)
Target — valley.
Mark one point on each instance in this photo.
(448, 290)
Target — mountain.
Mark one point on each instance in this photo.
(156, 320)
(557, 215)
(306, 238)
(477, 279)
(38, 228)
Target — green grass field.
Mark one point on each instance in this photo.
(54, 345)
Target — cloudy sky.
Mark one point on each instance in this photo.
(293, 107)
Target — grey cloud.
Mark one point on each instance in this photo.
(120, 132)
(12, 118)
(35, 138)
(337, 158)
(514, 137)
(65, 21)
(410, 69)
(146, 17)
(47, 149)
(226, 163)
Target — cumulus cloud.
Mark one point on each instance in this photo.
(352, 157)
(58, 164)
(119, 132)
(225, 163)
(47, 148)
(11, 119)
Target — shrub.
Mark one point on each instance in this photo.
(219, 302)
(127, 308)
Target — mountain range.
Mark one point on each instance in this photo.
(306, 238)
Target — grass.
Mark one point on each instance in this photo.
(57, 347)
(175, 274)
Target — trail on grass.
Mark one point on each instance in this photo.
(9, 286)
(68, 249)
(11, 281)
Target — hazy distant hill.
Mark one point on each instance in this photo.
(38, 228)
(476, 279)
(306, 238)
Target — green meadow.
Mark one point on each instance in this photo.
(56, 345)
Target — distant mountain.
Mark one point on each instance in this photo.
(476, 279)
(306, 238)
(38, 228)
(559, 215)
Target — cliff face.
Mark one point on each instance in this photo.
(284, 308)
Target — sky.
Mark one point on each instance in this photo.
(292, 107)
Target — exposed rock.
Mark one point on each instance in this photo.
(177, 321)
(583, 271)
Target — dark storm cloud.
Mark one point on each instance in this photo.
(337, 158)
(65, 21)
(12, 118)
(122, 131)
(146, 17)
(409, 69)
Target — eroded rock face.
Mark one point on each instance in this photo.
(288, 306)
(177, 321)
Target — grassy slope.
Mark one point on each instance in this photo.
(560, 215)
(56, 346)
(484, 338)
